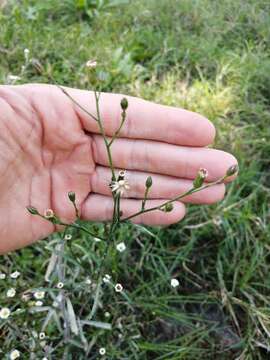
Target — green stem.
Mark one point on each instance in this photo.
(189, 192)
(123, 115)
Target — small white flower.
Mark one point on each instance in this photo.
(107, 314)
(48, 214)
(4, 313)
(120, 186)
(15, 354)
(12, 78)
(68, 237)
(39, 295)
(26, 54)
(11, 292)
(121, 247)
(42, 335)
(97, 239)
(118, 288)
(91, 64)
(106, 278)
(102, 351)
(2, 276)
(60, 285)
(174, 283)
(88, 281)
(15, 274)
(44, 358)
(38, 303)
(26, 297)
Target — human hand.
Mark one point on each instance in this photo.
(50, 146)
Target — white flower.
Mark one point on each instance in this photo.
(102, 351)
(15, 354)
(106, 278)
(48, 214)
(97, 239)
(174, 283)
(38, 303)
(91, 64)
(15, 274)
(12, 78)
(60, 285)
(11, 292)
(39, 295)
(107, 314)
(4, 313)
(88, 281)
(121, 186)
(2, 276)
(118, 288)
(26, 297)
(121, 247)
(42, 335)
(68, 237)
(26, 54)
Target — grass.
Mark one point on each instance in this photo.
(210, 57)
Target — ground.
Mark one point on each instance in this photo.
(212, 57)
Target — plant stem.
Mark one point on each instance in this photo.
(189, 192)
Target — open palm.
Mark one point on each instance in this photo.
(50, 146)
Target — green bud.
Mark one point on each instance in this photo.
(149, 182)
(32, 210)
(232, 170)
(201, 176)
(124, 104)
(167, 208)
(72, 196)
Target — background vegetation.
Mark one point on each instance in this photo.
(212, 57)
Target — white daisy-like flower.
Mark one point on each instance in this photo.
(11, 292)
(118, 288)
(2, 276)
(15, 354)
(48, 214)
(120, 186)
(91, 64)
(121, 247)
(102, 351)
(39, 295)
(12, 78)
(106, 279)
(42, 335)
(88, 281)
(107, 314)
(15, 274)
(68, 237)
(38, 303)
(60, 285)
(174, 283)
(4, 313)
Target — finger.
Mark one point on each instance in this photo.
(145, 120)
(100, 208)
(164, 187)
(166, 159)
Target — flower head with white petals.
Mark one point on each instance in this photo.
(121, 247)
(15, 354)
(102, 351)
(174, 283)
(15, 274)
(11, 292)
(39, 295)
(121, 185)
(4, 313)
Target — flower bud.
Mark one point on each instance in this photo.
(201, 176)
(167, 207)
(148, 182)
(124, 104)
(32, 210)
(232, 170)
(72, 196)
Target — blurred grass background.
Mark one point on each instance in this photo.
(212, 57)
